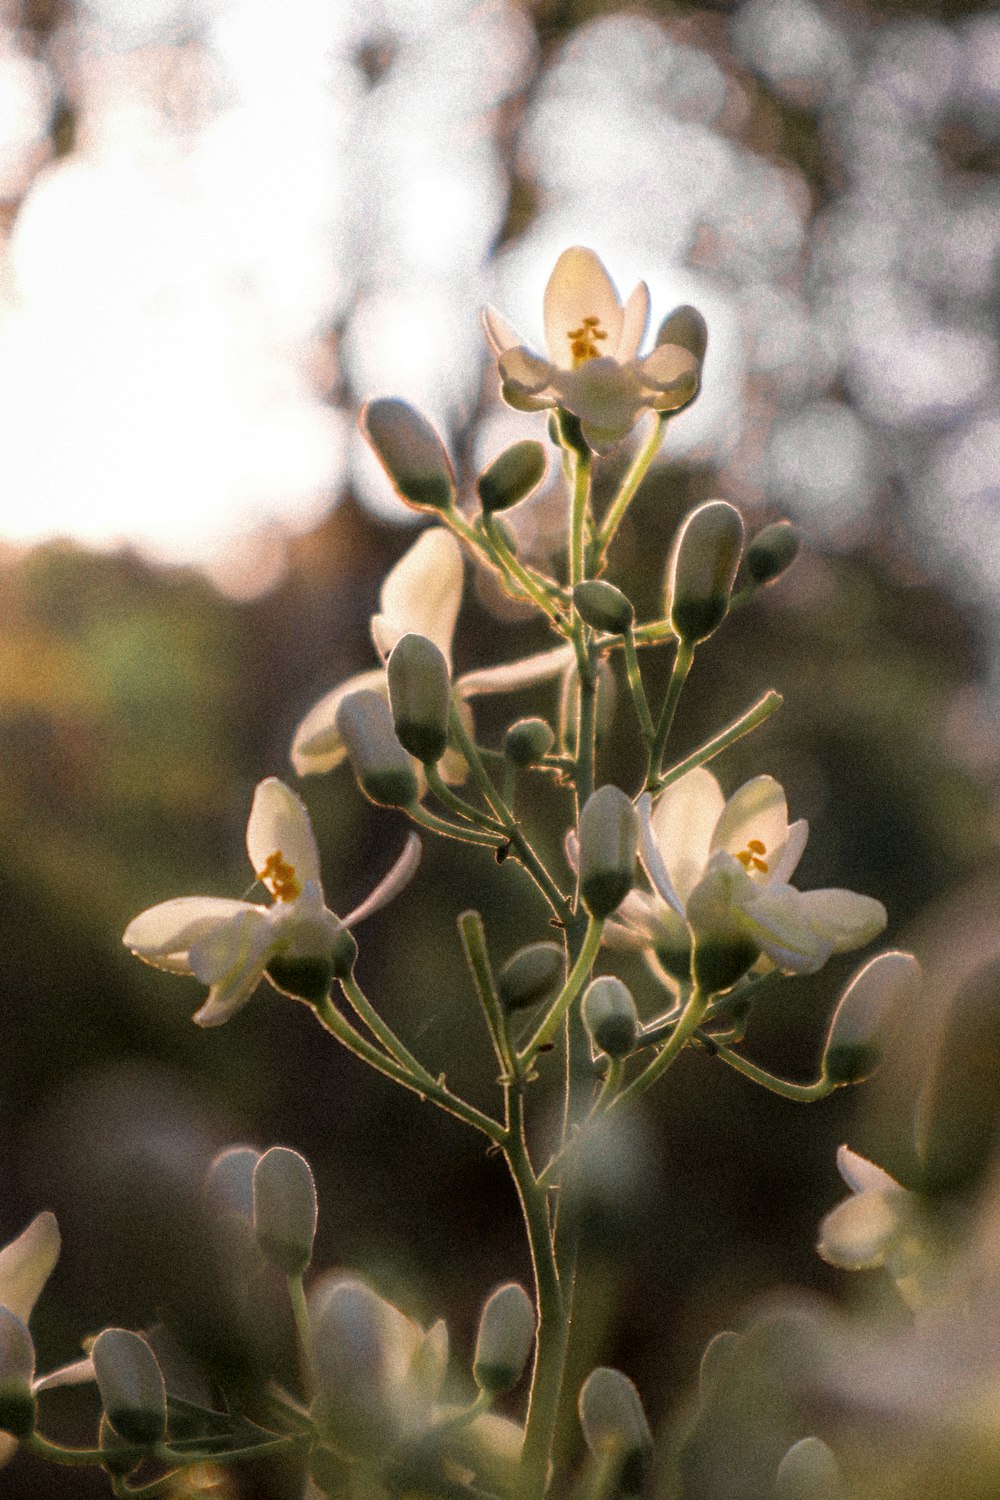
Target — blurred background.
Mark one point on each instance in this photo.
(223, 223)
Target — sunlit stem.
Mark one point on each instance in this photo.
(460, 831)
(631, 482)
(678, 677)
(754, 716)
(802, 1093)
(574, 984)
(457, 804)
(690, 1019)
(363, 1008)
(529, 583)
(459, 1419)
(473, 935)
(338, 1026)
(586, 730)
(611, 1084)
(303, 1330)
(56, 1453)
(637, 690)
(582, 466)
(533, 585)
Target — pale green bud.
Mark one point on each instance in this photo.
(685, 326)
(610, 1016)
(353, 1357)
(723, 950)
(609, 837)
(506, 1336)
(528, 741)
(381, 765)
(131, 1386)
(602, 606)
(420, 696)
(284, 1209)
(808, 1471)
(702, 569)
(614, 1425)
(772, 552)
(531, 974)
(876, 997)
(411, 453)
(510, 478)
(229, 1182)
(17, 1371)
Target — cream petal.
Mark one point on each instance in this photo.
(318, 745)
(422, 593)
(527, 372)
(579, 288)
(684, 819)
(634, 323)
(509, 676)
(163, 935)
(652, 860)
(785, 862)
(516, 397)
(233, 947)
(400, 875)
(669, 370)
(782, 929)
(623, 938)
(862, 1175)
(501, 334)
(757, 811)
(859, 1233)
(279, 825)
(27, 1263)
(78, 1373)
(845, 919)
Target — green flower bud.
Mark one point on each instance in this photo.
(17, 1371)
(229, 1182)
(685, 326)
(531, 974)
(772, 552)
(381, 765)
(610, 1016)
(808, 1471)
(614, 1425)
(131, 1386)
(284, 1209)
(354, 1354)
(703, 563)
(566, 430)
(723, 950)
(305, 978)
(876, 997)
(602, 606)
(420, 696)
(528, 741)
(411, 453)
(506, 1336)
(609, 836)
(510, 478)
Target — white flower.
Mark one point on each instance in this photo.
(882, 1223)
(723, 867)
(593, 342)
(421, 594)
(231, 945)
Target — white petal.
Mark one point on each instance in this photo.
(318, 745)
(684, 818)
(163, 935)
(669, 370)
(757, 811)
(862, 1175)
(579, 288)
(606, 396)
(279, 825)
(527, 372)
(859, 1233)
(782, 928)
(845, 919)
(500, 334)
(786, 860)
(652, 860)
(623, 938)
(422, 593)
(634, 323)
(27, 1263)
(639, 913)
(233, 946)
(235, 988)
(78, 1373)
(400, 875)
(510, 676)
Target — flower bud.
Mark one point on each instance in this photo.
(808, 1471)
(772, 552)
(506, 1336)
(531, 974)
(610, 1016)
(528, 741)
(284, 1209)
(131, 1386)
(609, 837)
(566, 430)
(875, 998)
(685, 326)
(723, 950)
(411, 453)
(229, 1182)
(379, 762)
(614, 1425)
(706, 554)
(363, 1351)
(602, 606)
(510, 478)
(17, 1371)
(420, 696)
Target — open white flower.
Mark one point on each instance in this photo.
(593, 342)
(883, 1223)
(722, 867)
(297, 942)
(422, 595)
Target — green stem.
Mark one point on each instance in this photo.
(609, 1087)
(303, 1329)
(478, 543)
(690, 1019)
(473, 935)
(586, 731)
(755, 715)
(631, 482)
(384, 1033)
(802, 1093)
(637, 690)
(522, 575)
(678, 676)
(582, 466)
(55, 1453)
(457, 804)
(463, 833)
(574, 984)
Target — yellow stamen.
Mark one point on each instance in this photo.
(280, 877)
(582, 341)
(750, 858)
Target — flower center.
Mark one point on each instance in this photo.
(280, 877)
(750, 857)
(583, 341)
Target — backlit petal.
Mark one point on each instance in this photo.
(669, 369)
(163, 935)
(783, 864)
(509, 676)
(634, 322)
(684, 818)
(422, 593)
(234, 947)
(500, 334)
(579, 288)
(783, 930)
(279, 824)
(859, 1233)
(845, 919)
(606, 396)
(862, 1175)
(318, 745)
(400, 875)
(757, 811)
(527, 372)
(27, 1263)
(652, 859)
